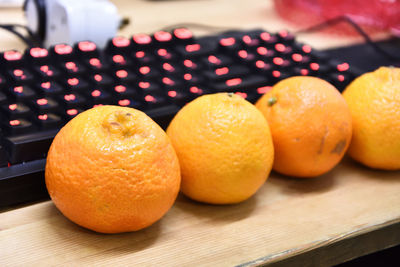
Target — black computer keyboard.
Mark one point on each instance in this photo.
(41, 90)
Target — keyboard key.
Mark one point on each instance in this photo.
(148, 87)
(178, 97)
(182, 36)
(153, 101)
(21, 92)
(47, 72)
(70, 113)
(37, 55)
(249, 84)
(129, 102)
(98, 96)
(49, 88)
(62, 52)
(15, 110)
(72, 68)
(120, 61)
(48, 121)
(17, 126)
(20, 76)
(86, 49)
(72, 100)
(119, 45)
(75, 84)
(95, 64)
(148, 72)
(162, 38)
(224, 73)
(100, 80)
(142, 41)
(44, 105)
(125, 76)
(11, 59)
(28, 146)
(121, 91)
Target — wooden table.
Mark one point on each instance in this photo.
(349, 212)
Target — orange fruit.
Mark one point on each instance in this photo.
(310, 125)
(112, 169)
(374, 102)
(224, 148)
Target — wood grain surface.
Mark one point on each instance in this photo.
(288, 217)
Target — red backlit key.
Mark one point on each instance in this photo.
(224, 73)
(143, 57)
(153, 101)
(217, 61)
(128, 102)
(285, 37)
(18, 126)
(171, 68)
(70, 113)
(98, 96)
(21, 92)
(162, 38)
(142, 41)
(229, 44)
(247, 57)
(178, 97)
(263, 66)
(191, 79)
(96, 64)
(62, 52)
(119, 45)
(20, 76)
(47, 72)
(196, 91)
(190, 65)
(200, 48)
(339, 79)
(44, 105)
(183, 35)
(47, 120)
(164, 54)
(125, 76)
(268, 39)
(15, 110)
(250, 41)
(37, 55)
(148, 72)
(72, 100)
(120, 61)
(86, 49)
(75, 84)
(122, 91)
(11, 59)
(72, 68)
(148, 86)
(99, 80)
(171, 83)
(248, 84)
(49, 88)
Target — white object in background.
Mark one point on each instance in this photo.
(11, 3)
(71, 21)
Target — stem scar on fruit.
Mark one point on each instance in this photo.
(272, 100)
